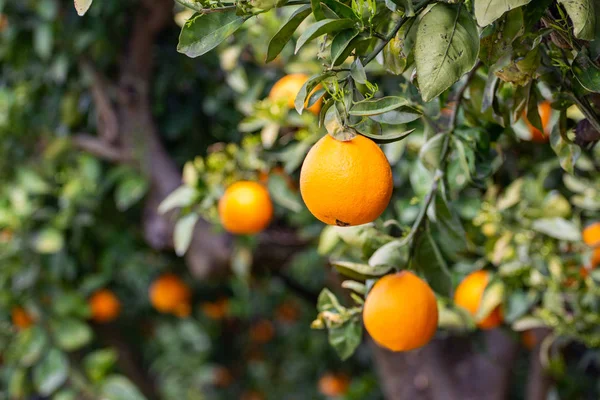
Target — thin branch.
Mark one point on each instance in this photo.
(107, 121)
(99, 148)
(586, 110)
(370, 57)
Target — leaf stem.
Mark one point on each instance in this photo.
(386, 39)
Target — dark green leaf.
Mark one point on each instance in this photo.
(341, 45)
(388, 137)
(360, 271)
(377, 106)
(397, 117)
(446, 48)
(452, 236)
(586, 72)
(518, 303)
(317, 10)
(51, 372)
(431, 152)
(340, 9)
(487, 11)
(202, 33)
(357, 71)
(307, 88)
(322, 27)
(499, 41)
(284, 34)
(428, 260)
(346, 337)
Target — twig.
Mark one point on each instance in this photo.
(370, 57)
(100, 148)
(586, 110)
(108, 125)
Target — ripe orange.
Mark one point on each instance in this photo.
(262, 332)
(287, 89)
(105, 306)
(216, 310)
(169, 294)
(245, 208)
(596, 257)
(545, 111)
(469, 294)
(401, 312)
(591, 234)
(333, 385)
(21, 319)
(346, 183)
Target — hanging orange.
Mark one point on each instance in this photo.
(469, 294)
(545, 111)
(21, 319)
(245, 208)
(287, 89)
(169, 294)
(105, 306)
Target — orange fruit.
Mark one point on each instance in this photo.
(105, 306)
(169, 294)
(222, 377)
(591, 234)
(245, 208)
(401, 312)
(346, 183)
(545, 111)
(469, 294)
(21, 319)
(216, 310)
(595, 257)
(262, 332)
(287, 89)
(333, 385)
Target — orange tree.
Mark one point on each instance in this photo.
(449, 149)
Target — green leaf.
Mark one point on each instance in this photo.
(357, 71)
(70, 333)
(499, 41)
(81, 6)
(340, 9)
(446, 48)
(452, 236)
(558, 228)
(357, 287)
(586, 72)
(28, 346)
(397, 117)
(317, 10)
(284, 34)
(202, 33)
(51, 372)
(429, 261)
(388, 137)
(184, 231)
(342, 45)
(183, 196)
(17, 384)
(431, 152)
(394, 253)
(583, 16)
(567, 153)
(307, 88)
(328, 302)
(129, 191)
(65, 394)
(48, 241)
(322, 27)
(528, 322)
(377, 106)
(99, 363)
(346, 338)
(487, 11)
(518, 303)
(282, 195)
(360, 271)
(118, 387)
(492, 298)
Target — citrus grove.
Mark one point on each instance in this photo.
(300, 199)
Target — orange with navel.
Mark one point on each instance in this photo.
(346, 183)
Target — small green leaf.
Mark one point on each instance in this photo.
(499, 41)
(48, 241)
(28, 346)
(586, 72)
(183, 196)
(446, 48)
(65, 394)
(70, 333)
(357, 71)
(342, 45)
(487, 11)
(184, 231)
(346, 338)
(282, 195)
(17, 384)
(129, 191)
(394, 253)
(493, 297)
(452, 236)
(99, 363)
(81, 6)
(431, 152)
(117, 387)
(51, 372)
(322, 27)
(328, 302)
(307, 88)
(567, 153)
(284, 34)
(377, 106)
(357, 287)
(203, 32)
(360, 271)
(528, 322)
(558, 228)
(583, 16)
(388, 137)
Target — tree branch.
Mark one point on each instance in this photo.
(99, 148)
